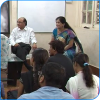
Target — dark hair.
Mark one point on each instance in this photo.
(40, 56)
(63, 21)
(24, 20)
(54, 74)
(58, 46)
(81, 59)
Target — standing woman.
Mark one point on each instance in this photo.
(66, 34)
(84, 85)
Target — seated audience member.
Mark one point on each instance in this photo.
(50, 79)
(2, 91)
(28, 80)
(56, 52)
(20, 40)
(84, 85)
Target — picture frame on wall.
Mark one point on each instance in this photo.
(5, 18)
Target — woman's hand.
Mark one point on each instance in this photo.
(69, 45)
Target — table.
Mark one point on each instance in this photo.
(12, 74)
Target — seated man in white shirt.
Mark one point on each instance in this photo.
(21, 38)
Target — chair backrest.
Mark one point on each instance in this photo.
(95, 70)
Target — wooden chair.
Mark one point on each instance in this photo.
(95, 70)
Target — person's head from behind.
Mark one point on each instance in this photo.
(79, 60)
(52, 74)
(61, 23)
(21, 22)
(56, 46)
(39, 58)
(80, 63)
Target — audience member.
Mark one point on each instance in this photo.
(84, 85)
(2, 91)
(56, 52)
(50, 79)
(29, 80)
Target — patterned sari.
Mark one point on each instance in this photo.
(65, 37)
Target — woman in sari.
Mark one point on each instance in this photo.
(66, 34)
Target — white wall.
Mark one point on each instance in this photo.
(43, 12)
(88, 37)
(13, 14)
(90, 43)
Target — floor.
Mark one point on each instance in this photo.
(7, 87)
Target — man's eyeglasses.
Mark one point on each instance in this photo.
(19, 22)
(40, 73)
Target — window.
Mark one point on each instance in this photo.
(90, 13)
(97, 14)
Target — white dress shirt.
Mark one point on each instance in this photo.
(25, 35)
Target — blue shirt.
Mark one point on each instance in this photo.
(47, 92)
